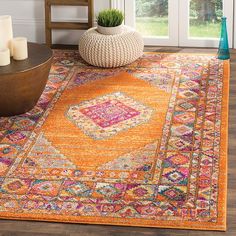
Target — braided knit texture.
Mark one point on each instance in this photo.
(111, 50)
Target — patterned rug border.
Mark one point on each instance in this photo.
(222, 203)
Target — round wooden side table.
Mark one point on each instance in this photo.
(22, 82)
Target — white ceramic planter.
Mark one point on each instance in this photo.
(110, 30)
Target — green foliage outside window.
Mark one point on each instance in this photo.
(202, 10)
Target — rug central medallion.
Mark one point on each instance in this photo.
(115, 116)
(107, 115)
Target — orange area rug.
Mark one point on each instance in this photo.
(142, 145)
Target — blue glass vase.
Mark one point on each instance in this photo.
(223, 51)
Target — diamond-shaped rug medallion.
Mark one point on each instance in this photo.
(102, 116)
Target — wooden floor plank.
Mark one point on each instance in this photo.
(27, 228)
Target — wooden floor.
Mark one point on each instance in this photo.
(24, 228)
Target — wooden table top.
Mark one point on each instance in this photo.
(38, 55)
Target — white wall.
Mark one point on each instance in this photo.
(28, 19)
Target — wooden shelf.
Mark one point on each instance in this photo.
(49, 25)
(69, 25)
(68, 2)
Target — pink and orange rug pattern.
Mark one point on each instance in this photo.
(141, 145)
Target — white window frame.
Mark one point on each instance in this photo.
(118, 4)
(171, 39)
(186, 41)
(179, 24)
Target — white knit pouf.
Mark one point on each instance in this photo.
(111, 50)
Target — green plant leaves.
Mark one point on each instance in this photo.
(110, 18)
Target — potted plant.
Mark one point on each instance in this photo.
(110, 22)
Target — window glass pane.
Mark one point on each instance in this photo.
(152, 17)
(204, 18)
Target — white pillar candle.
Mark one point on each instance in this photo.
(5, 57)
(20, 48)
(6, 33)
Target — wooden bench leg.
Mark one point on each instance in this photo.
(48, 30)
(90, 13)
